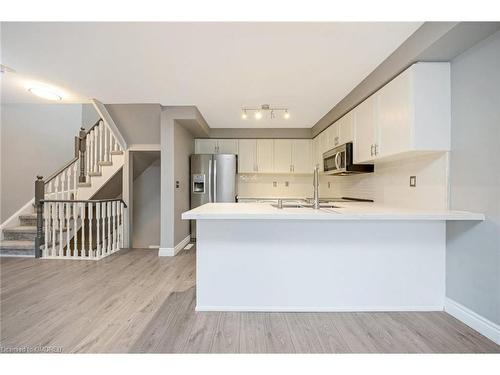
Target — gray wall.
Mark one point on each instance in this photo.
(89, 115)
(183, 148)
(139, 124)
(35, 139)
(176, 146)
(146, 201)
(473, 250)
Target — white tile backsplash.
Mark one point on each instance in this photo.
(389, 184)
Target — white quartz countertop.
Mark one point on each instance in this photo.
(345, 211)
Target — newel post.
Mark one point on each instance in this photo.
(39, 196)
(82, 148)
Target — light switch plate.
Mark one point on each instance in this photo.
(413, 181)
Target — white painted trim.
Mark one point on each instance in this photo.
(172, 251)
(154, 246)
(472, 319)
(317, 309)
(106, 117)
(13, 221)
(144, 147)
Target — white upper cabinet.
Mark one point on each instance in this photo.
(301, 156)
(265, 155)
(205, 146)
(409, 114)
(227, 146)
(365, 132)
(216, 146)
(345, 129)
(247, 156)
(283, 155)
(332, 136)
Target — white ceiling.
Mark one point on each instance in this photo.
(219, 67)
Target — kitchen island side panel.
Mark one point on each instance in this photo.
(280, 265)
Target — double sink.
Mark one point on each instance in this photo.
(302, 204)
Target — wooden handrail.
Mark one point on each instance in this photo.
(54, 175)
(83, 201)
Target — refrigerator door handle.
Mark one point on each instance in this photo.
(215, 181)
(210, 180)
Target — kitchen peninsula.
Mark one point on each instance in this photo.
(356, 256)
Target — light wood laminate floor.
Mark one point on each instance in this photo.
(135, 301)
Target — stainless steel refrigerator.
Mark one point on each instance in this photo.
(213, 179)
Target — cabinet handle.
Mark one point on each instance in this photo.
(290, 167)
(371, 150)
(375, 149)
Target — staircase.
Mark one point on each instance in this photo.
(20, 240)
(73, 225)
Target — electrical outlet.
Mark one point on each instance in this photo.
(329, 185)
(275, 184)
(413, 181)
(177, 184)
(287, 183)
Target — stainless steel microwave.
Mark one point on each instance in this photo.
(340, 161)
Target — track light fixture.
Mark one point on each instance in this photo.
(260, 112)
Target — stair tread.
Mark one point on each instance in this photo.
(14, 244)
(22, 229)
(28, 216)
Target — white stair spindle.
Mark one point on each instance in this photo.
(100, 127)
(96, 149)
(91, 215)
(106, 146)
(46, 227)
(98, 224)
(75, 178)
(75, 225)
(63, 185)
(113, 233)
(61, 227)
(67, 216)
(82, 211)
(54, 218)
(58, 187)
(109, 242)
(103, 227)
(87, 156)
(121, 224)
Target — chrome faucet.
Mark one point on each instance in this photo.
(316, 187)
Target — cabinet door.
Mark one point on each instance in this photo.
(246, 156)
(322, 147)
(316, 159)
(283, 155)
(265, 157)
(205, 146)
(301, 156)
(345, 129)
(332, 136)
(227, 146)
(393, 116)
(365, 130)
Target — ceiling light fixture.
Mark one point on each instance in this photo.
(45, 92)
(263, 109)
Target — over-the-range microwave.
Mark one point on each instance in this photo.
(339, 161)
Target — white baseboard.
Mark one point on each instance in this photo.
(318, 309)
(475, 321)
(172, 251)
